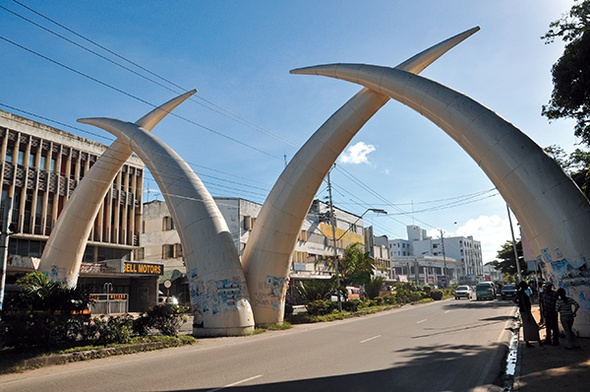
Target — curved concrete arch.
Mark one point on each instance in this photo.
(550, 208)
(266, 259)
(62, 255)
(218, 290)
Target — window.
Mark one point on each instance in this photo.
(248, 222)
(167, 251)
(302, 236)
(167, 223)
(171, 251)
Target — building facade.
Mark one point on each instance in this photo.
(160, 242)
(41, 167)
(455, 259)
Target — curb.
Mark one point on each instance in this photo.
(514, 358)
(60, 359)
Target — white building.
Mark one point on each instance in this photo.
(460, 257)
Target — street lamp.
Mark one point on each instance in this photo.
(333, 220)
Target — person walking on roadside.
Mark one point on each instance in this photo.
(563, 305)
(547, 303)
(540, 298)
(530, 329)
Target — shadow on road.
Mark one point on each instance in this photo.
(472, 304)
(428, 368)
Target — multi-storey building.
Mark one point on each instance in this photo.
(310, 259)
(41, 167)
(464, 250)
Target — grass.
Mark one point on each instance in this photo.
(12, 360)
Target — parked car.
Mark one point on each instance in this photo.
(352, 292)
(485, 290)
(163, 300)
(508, 291)
(463, 291)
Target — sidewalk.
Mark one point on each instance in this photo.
(553, 368)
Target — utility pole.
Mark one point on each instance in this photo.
(333, 221)
(442, 241)
(514, 245)
(4, 248)
(416, 277)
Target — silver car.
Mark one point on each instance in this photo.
(463, 291)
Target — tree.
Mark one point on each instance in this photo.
(39, 293)
(356, 267)
(576, 165)
(316, 289)
(506, 263)
(571, 73)
(373, 288)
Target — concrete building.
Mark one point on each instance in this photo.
(463, 249)
(460, 258)
(160, 242)
(378, 248)
(41, 167)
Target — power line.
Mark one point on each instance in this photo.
(213, 107)
(137, 98)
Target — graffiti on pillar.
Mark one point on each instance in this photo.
(272, 293)
(571, 273)
(210, 297)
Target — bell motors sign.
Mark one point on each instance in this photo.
(143, 268)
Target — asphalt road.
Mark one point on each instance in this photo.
(442, 346)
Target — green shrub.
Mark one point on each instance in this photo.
(165, 318)
(316, 289)
(373, 288)
(352, 306)
(320, 307)
(436, 295)
(105, 330)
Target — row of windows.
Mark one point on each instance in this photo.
(171, 251)
(397, 245)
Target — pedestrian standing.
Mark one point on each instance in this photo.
(547, 303)
(530, 329)
(563, 305)
(542, 320)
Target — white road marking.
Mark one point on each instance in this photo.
(373, 338)
(447, 311)
(421, 321)
(235, 383)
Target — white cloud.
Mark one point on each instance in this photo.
(491, 231)
(357, 154)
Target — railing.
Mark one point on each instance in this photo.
(109, 303)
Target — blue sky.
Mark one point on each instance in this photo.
(250, 113)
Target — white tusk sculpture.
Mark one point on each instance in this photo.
(63, 253)
(267, 257)
(218, 291)
(550, 208)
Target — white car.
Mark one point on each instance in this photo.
(163, 300)
(463, 291)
